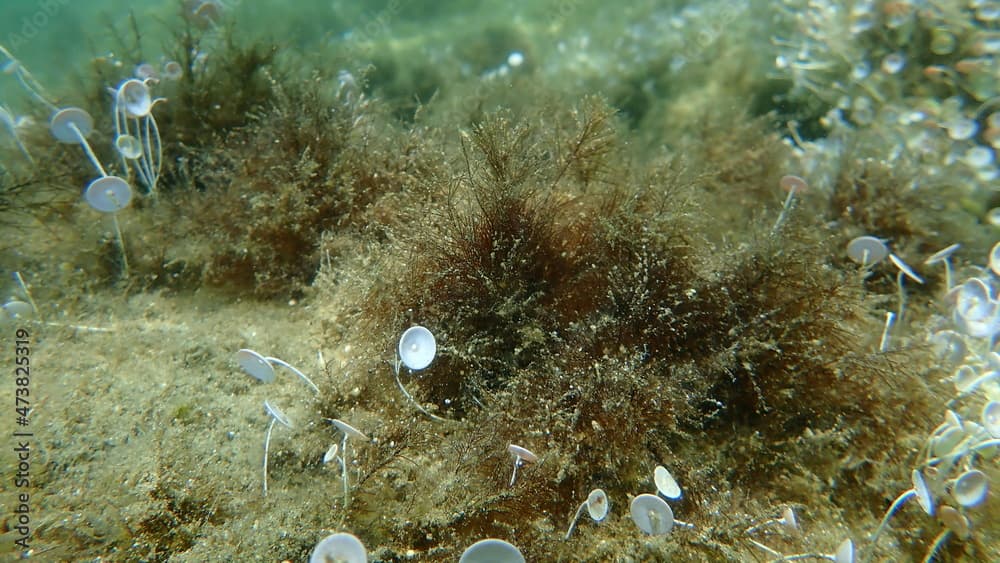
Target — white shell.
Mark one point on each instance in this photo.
(417, 348)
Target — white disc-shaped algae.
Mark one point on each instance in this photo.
(417, 348)
(963, 379)
(172, 70)
(991, 418)
(994, 259)
(342, 548)
(597, 504)
(974, 300)
(905, 268)
(949, 346)
(128, 146)
(145, 71)
(976, 311)
(135, 99)
(971, 488)
(942, 255)
(255, 365)
(347, 429)
(924, 497)
(108, 194)
(277, 414)
(790, 183)
(62, 125)
(522, 453)
(867, 250)
(331, 453)
(652, 515)
(956, 522)
(665, 483)
(18, 309)
(845, 552)
(491, 551)
(788, 520)
(946, 441)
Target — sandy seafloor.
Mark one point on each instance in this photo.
(147, 439)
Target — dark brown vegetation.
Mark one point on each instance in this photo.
(600, 329)
(267, 193)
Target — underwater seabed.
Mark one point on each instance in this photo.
(600, 292)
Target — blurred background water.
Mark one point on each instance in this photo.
(57, 38)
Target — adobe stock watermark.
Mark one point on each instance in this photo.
(360, 39)
(29, 27)
(562, 10)
(714, 27)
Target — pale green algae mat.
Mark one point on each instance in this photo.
(567, 280)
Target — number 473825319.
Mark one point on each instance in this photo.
(22, 372)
